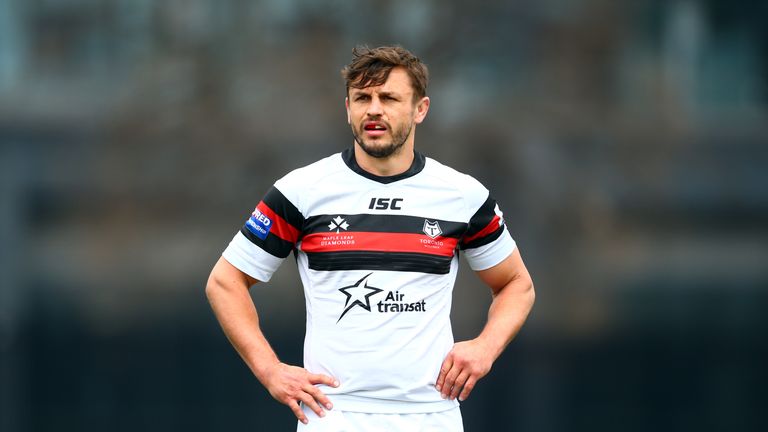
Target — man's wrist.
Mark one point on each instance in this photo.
(488, 346)
(264, 368)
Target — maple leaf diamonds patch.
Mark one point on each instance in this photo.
(338, 223)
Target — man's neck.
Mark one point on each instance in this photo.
(395, 164)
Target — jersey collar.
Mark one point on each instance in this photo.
(419, 161)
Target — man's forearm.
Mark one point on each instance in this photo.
(231, 302)
(227, 291)
(471, 360)
(507, 314)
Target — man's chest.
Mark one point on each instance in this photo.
(397, 227)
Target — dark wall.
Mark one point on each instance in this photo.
(625, 141)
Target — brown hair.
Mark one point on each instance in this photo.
(371, 67)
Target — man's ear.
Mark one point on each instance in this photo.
(346, 105)
(422, 107)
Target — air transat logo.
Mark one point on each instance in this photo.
(358, 294)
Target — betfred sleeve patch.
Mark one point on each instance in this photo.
(259, 224)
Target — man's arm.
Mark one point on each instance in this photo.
(227, 291)
(513, 297)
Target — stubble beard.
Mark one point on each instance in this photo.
(379, 150)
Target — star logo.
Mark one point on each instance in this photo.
(358, 294)
(338, 222)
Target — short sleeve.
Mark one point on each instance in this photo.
(486, 242)
(267, 237)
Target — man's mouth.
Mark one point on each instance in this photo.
(374, 127)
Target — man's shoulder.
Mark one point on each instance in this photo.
(462, 181)
(314, 172)
(471, 191)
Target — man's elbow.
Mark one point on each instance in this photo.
(213, 286)
(217, 282)
(524, 289)
(531, 292)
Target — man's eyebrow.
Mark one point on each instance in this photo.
(389, 94)
(367, 91)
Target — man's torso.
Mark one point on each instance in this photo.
(378, 261)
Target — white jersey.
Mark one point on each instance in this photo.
(378, 258)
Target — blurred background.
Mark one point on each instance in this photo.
(626, 142)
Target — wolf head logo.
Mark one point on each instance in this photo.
(432, 229)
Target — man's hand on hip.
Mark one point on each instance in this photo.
(464, 365)
(291, 385)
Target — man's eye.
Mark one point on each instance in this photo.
(362, 97)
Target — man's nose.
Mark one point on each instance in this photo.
(374, 108)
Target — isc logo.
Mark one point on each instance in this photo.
(385, 203)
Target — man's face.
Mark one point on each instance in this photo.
(382, 117)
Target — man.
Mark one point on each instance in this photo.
(376, 232)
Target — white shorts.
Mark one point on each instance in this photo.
(348, 421)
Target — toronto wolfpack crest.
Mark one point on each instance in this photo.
(432, 229)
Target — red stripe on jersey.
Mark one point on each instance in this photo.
(379, 242)
(280, 227)
(491, 227)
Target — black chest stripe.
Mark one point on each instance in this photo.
(389, 261)
(379, 223)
